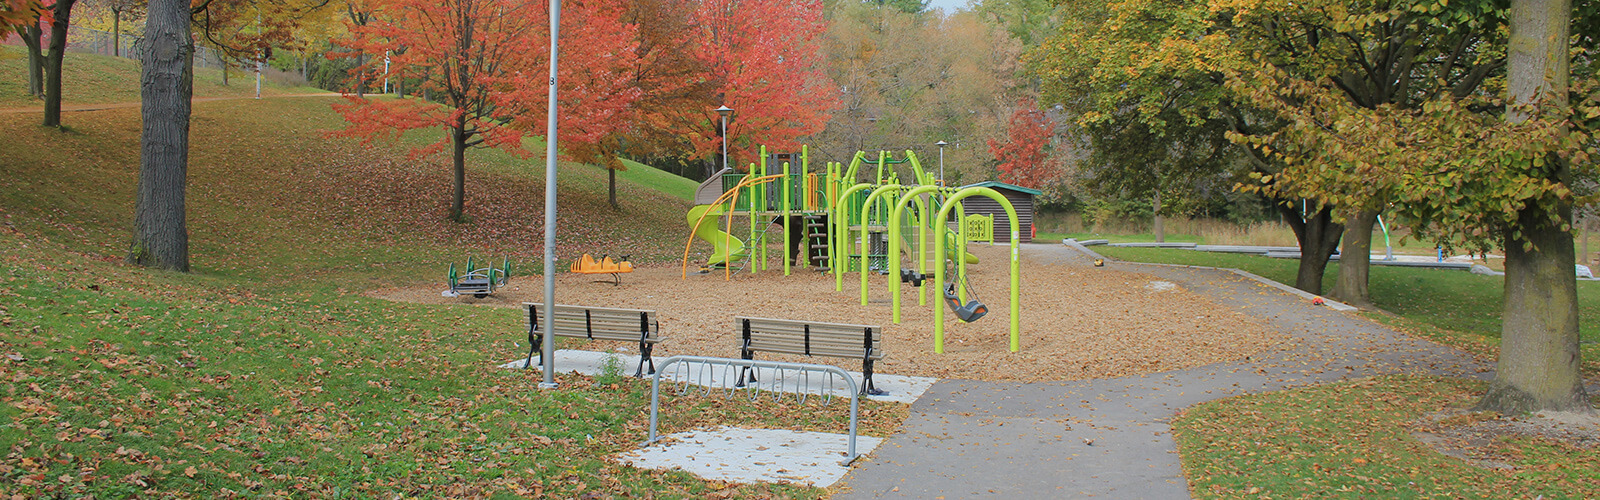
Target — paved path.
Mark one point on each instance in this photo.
(973, 439)
(66, 108)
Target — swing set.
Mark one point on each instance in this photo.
(865, 227)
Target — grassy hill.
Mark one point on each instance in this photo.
(266, 372)
(93, 79)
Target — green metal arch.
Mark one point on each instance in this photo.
(938, 271)
(866, 210)
(894, 242)
(841, 230)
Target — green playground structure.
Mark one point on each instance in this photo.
(477, 282)
(845, 225)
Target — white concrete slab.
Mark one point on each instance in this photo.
(899, 388)
(753, 455)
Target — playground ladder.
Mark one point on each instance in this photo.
(817, 241)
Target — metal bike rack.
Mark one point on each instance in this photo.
(712, 375)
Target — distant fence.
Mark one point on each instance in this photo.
(93, 41)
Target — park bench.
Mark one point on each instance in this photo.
(596, 323)
(809, 338)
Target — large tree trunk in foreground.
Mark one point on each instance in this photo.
(1318, 236)
(1539, 367)
(1355, 259)
(52, 71)
(160, 234)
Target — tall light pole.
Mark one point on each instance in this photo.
(725, 111)
(941, 145)
(547, 356)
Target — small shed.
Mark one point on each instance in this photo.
(1021, 199)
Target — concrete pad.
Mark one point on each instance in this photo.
(753, 455)
(899, 388)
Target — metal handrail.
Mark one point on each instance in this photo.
(732, 382)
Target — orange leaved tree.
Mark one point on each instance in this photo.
(486, 61)
(765, 63)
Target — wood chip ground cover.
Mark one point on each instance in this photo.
(1077, 322)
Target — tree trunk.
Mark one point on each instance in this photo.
(160, 236)
(30, 38)
(1355, 258)
(611, 177)
(52, 71)
(361, 76)
(1539, 366)
(1161, 230)
(1318, 236)
(116, 32)
(458, 144)
(225, 68)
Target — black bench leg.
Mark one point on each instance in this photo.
(644, 357)
(535, 342)
(867, 389)
(746, 371)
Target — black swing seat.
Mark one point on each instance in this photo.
(912, 277)
(968, 312)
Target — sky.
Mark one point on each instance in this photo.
(947, 5)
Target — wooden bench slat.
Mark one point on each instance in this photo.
(810, 338)
(595, 323)
(814, 324)
(822, 336)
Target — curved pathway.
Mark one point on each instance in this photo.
(1110, 437)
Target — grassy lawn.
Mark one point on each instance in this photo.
(1353, 440)
(1446, 305)
(266, 372)
(93, 79)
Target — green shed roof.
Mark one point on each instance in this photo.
(1002, 185)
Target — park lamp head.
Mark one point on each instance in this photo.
(941, 144)
(724, 111)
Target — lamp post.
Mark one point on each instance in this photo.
(547, 354)
(941, 145)
(725, 111)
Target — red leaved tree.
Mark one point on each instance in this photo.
(488, 61)
(1024, 157)
(464, 50)
(766, 65)
(597, 91)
